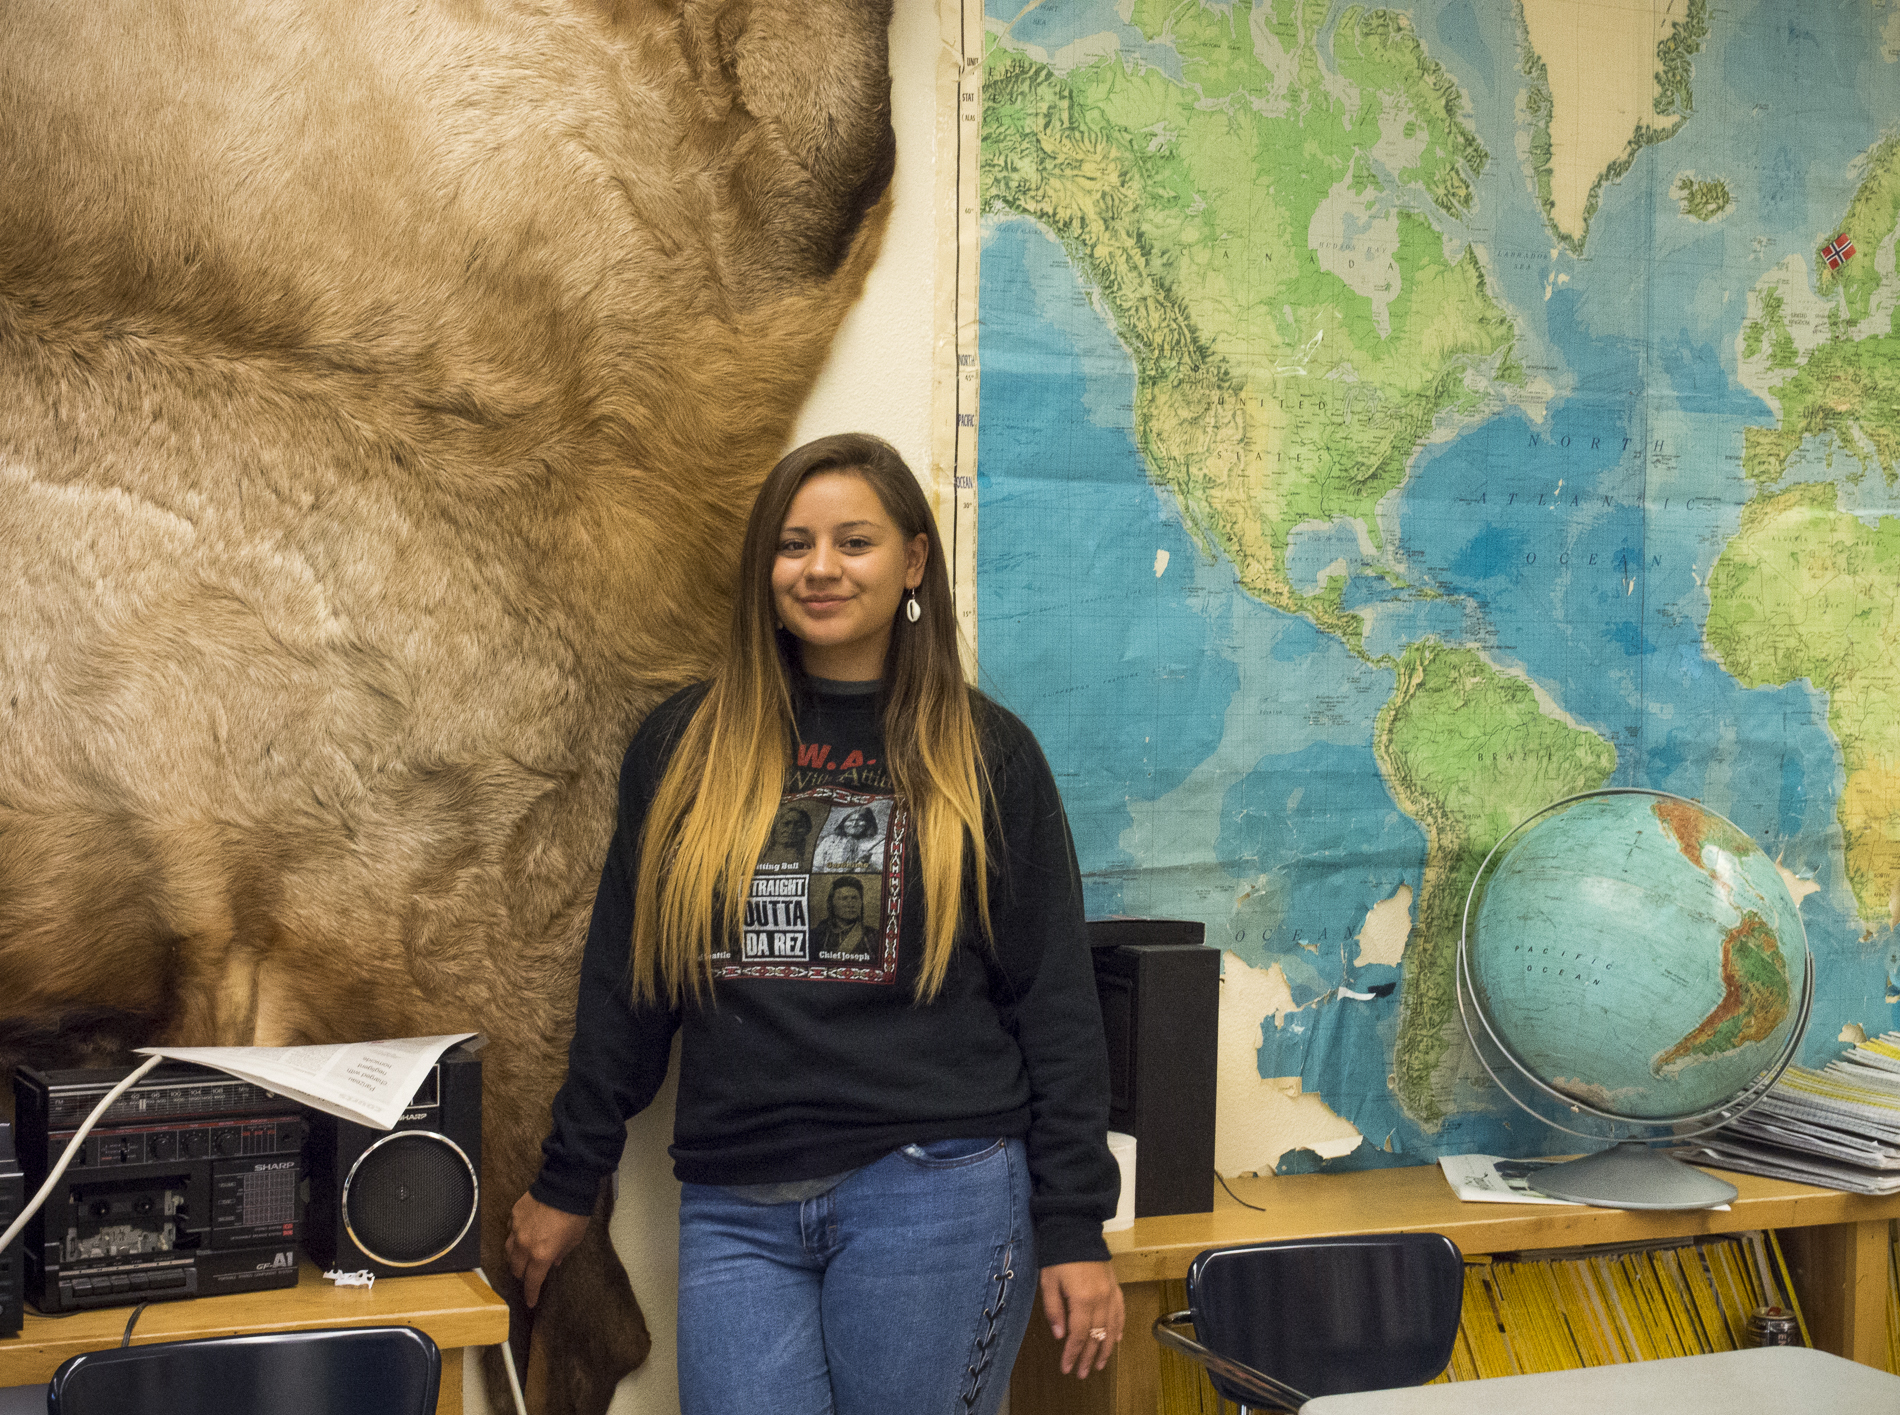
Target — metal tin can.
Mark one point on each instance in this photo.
(1773, 1326)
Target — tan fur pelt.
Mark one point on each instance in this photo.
(382, 385)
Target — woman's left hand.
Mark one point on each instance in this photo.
(1084, 1305)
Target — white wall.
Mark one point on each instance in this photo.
(878, 377)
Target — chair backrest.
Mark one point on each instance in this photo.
(1331, 1315)
(349, 1371)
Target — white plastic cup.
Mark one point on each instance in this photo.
(1123, 1148)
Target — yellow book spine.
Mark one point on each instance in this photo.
(1726, 1262)
(1527, 1351)
(1630, 1310)
(1661, 1310)
(1695, 1274)
(1571, 1343)
(1635, 1320)
(1676, 1300)
(1578, 1319)
(1559, 1350)
(1544, 1322)
(1570, 1309)
(1523, 1292)
(1761, 1278)
(1662, 1324)
(1463, 1366)
(1481, 1324)
(1684, 1271)
(1893, 1298)
(1788, 1297)
(1695, 1335)
(1607, 1284)
(1654, 1321)
(1490, 1350)
(1590, 1299)
(1695, 1341)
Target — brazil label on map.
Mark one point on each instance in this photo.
(1394, 420)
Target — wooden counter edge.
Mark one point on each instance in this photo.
(454, 1309)
(1418, 1199)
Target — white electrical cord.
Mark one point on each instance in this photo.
(508, 1361)
(72, 1149)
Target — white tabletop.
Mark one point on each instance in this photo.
(1773, 1380)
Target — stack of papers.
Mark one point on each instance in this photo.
(1487, 1179)
(371, 1083)
(1838, 1127)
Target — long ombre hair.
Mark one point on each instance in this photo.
(713, 811)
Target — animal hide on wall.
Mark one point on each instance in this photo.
(382, 386)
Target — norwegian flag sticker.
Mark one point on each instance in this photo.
(1837, 252)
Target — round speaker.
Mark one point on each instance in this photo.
(409, 1198)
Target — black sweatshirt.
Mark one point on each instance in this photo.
(810, 1055)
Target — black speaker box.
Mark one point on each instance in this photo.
(403, 1201)
(1160, 992)
(12, 1200)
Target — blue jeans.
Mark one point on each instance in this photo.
(906, 1288)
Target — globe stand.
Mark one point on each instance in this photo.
(1631, 1175)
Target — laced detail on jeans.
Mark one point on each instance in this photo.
(980, 1358)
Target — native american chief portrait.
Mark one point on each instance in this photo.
(381, 388)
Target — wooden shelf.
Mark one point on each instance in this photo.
(455, 1309)
(1836, 1245)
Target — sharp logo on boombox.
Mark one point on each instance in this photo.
(281, 1164)
(409, 1115)
(278, 1261)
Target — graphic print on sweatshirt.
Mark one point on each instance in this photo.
(827, 896)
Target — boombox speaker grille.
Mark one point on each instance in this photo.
(410, 1198)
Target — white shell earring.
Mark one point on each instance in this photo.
(912, 610)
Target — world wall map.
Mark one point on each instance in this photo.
(1394, 420)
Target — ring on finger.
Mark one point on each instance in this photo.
(1098, 1333)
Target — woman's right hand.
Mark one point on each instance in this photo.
(538, 1238)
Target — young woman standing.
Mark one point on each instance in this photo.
(878, 1147)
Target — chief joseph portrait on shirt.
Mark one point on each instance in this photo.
(849, 925)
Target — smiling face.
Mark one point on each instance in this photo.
(840, 573)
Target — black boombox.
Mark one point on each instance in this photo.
(195, 1182)
(187, 1186)
(12, 1200)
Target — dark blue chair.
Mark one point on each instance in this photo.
(348, 1371)
(1279, 1324)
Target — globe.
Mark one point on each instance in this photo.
(1633, 968)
